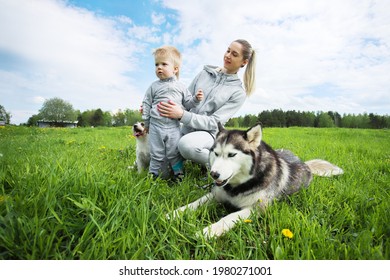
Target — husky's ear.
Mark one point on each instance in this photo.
(254, 135)
(220, 127)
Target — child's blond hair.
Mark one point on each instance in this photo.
(170, 53)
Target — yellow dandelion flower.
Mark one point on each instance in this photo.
(247, 221)
(287, 233)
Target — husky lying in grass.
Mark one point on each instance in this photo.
(247, 173)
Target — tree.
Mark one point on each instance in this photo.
(57, 110)
(324, 120)
(4, 115)
(33, 120)
(119, 119)
(85, 118)
(279, 117)
(335, 117)
(107, 118)
(97, 119)
(132, 116)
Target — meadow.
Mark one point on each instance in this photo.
(73, 194)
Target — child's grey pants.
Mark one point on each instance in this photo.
(163, 145)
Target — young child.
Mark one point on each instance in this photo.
(164, 133)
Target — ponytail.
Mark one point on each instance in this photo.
(250, 75)
(250, 71)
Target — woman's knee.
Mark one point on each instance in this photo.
(186, 149)
(195, 146)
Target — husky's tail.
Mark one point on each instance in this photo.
(323, 168)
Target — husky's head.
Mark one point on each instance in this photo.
(139, 129)
(232, 155)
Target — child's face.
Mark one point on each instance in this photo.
(165, 68)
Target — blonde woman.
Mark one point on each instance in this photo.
(223, 97)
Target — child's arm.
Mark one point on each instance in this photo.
(147, 106)
(191, 101)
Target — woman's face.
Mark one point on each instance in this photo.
(233, 59)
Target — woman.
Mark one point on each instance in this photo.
(223, 97)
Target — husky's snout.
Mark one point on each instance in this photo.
(217, 178)
(215, 175)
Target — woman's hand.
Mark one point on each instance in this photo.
(170, 110)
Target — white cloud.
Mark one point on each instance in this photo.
(144, 33)
(124, 19)
(38, 99)
(312, 55)
(158, 19)
(67, 52)
(301, 45)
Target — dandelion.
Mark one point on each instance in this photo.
(247, 221)
(101, 148)
(287, 233)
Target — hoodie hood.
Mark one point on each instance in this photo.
(220, 76)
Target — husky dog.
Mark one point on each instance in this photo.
(247, 173)
(142, 147)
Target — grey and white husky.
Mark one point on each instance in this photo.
(247, 173)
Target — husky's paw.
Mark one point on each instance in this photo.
(175, 214)
(215, 230)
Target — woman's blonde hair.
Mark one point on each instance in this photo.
(250, 72)
(170, 53)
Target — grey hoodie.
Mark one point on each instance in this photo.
(223, 97)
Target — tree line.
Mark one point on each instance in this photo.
(58, 110)
(280, 118)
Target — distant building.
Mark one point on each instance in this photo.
(68, 124)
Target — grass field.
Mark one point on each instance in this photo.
(70, 194)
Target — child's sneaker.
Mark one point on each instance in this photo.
(153, 176)
(179, 177)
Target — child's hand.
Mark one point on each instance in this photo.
(199, 94)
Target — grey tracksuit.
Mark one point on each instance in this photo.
(223, 97)
(164, 133)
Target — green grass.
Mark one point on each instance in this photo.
(70, 194)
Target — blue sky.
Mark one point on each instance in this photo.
(312, 55)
